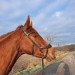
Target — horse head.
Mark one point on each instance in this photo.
(32, 43)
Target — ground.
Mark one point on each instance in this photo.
(65, 66)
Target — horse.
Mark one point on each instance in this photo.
(23, 40)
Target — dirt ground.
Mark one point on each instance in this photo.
(23, 62)
(65, 67)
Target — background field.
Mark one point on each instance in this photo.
(64, 66)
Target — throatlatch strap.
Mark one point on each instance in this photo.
(33, 50)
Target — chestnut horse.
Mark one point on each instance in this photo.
(24, 40)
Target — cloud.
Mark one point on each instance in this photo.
(1, 27)
(48, 12)
(14, 12)
(15, 8)
(55, 18)
(58, 14)
(48, 16)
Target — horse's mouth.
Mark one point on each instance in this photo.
(50, 58)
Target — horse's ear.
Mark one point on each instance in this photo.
(31, 24)
(27, 24)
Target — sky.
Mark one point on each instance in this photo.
(49, 17)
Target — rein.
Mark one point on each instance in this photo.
(34, 44)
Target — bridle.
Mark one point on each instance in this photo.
(34, 44)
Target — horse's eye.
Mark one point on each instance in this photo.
(30, 30)
(35, 36)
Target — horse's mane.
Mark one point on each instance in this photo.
(5, 36)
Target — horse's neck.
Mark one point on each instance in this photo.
(5, 36)
(8, 53)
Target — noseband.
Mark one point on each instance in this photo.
(34, 44)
